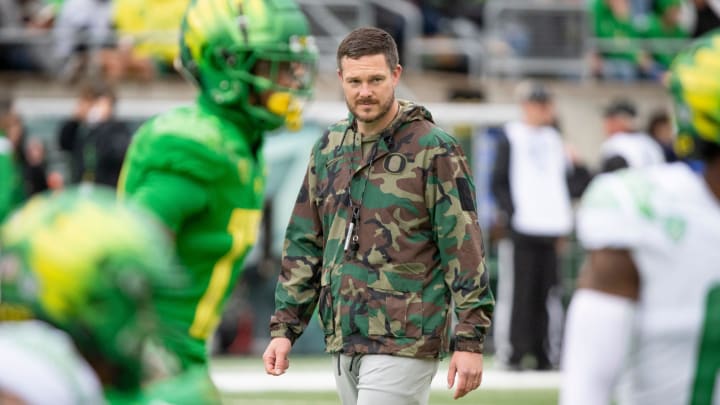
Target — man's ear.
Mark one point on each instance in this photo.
(396, 73)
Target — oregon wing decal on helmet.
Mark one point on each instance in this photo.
(88, 264)
(695, 88)
(234, 50)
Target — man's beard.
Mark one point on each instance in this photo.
(384, 110)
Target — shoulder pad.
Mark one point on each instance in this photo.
(185, 141)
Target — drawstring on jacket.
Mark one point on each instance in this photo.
(352, 362)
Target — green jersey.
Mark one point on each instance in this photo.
(199, 169)
(657, 30)
(621, 33)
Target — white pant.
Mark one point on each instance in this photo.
(378, 379)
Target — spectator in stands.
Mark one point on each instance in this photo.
(640, 7)
(432, 15)
(529, 182)
(147, 38)
(456, 19)
(625, 146)
(663, 27)
(95, 139)
(619, 55)
(82, 26)
(28, 153)
(17, 19)
(11, 194)
(34, 166)
(707, 16)
(660, 128)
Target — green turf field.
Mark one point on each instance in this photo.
(481, 397)
(298, 364)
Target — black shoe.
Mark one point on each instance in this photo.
(545, 367)
(512, 366)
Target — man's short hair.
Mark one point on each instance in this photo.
(620, 107)
(532, 91)
(94, 88)
(368, 41)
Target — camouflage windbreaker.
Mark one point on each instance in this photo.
(418, 246)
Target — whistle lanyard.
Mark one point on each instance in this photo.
(351, 238)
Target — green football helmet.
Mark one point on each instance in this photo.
(695, 89)
(88, 264)
(235, 50)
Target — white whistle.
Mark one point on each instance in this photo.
(349, 235)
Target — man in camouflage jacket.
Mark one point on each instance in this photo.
(384, 234)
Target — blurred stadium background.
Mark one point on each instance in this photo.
(462, 59)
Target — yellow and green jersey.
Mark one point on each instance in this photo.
(201, 172)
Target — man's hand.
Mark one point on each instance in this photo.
(468, 367)
(276, 356)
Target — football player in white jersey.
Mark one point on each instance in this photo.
(644, 325)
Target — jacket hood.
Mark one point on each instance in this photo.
(409, 111)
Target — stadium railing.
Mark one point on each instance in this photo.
(536, 37)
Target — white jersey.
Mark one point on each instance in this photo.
(638, 149)
(537, 181)
(669, 220)
(39, 365)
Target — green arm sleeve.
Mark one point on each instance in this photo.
(170, 196)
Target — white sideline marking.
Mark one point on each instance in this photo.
(232, 381)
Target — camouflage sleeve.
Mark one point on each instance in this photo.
(296, 293)
(451, 203)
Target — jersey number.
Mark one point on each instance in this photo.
(708, 361)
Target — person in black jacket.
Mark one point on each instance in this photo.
(530, 186)
(94, 138)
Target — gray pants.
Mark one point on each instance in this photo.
(377, 379)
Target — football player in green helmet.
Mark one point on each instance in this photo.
(645, 315)
(200, 169)
(695, 88)
(78, 274)
(252, 57)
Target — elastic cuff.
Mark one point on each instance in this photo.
(461, 344)
(283, 331)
